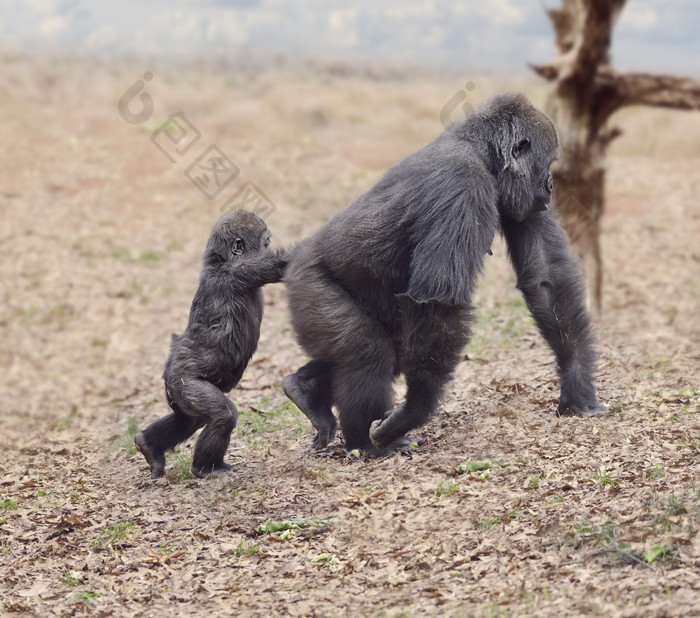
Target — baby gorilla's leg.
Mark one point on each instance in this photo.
(164, 434)
(219, 415)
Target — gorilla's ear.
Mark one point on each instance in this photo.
(509, 146)
(521, 148)
(238, 247)
(451, 240)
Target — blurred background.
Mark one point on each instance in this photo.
(464, 35)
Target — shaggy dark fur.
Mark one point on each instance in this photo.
(385, 287)
(208, 359)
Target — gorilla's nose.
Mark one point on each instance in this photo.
(548, 184)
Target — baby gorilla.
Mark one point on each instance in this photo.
(208, 359)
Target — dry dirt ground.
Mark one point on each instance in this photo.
(101, 242)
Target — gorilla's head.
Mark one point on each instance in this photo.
(521, 143)
(238, 232)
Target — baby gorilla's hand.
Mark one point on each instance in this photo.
(282, 259)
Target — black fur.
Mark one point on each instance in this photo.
(209, 358)
(385, 287)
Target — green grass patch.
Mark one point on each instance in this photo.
(182, 464)
(676, 507)
(175, 244)
(607, 539)
(8, 504)
(269, 416)
(67, 421)
(487, 523)
(59, 315)
(69, 580)
(293, 524)
(246, 548)
(88, 597)
(499, 329)
(122, 254)
(126, 440)
(534, 480)
(116, 534)
(149, 257)
(657, 472)
(603, 477)
(320, 471)
(327, 560)
(474, 466)
(446, 488)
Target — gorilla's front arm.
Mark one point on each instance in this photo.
(435, 309)
(549, 277)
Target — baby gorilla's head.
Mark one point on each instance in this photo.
(237, 233)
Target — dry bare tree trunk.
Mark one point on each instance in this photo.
(586, 91)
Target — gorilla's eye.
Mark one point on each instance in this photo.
(521, 148)
(238, 246)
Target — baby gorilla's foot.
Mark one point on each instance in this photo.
(321, 418)
(155, 458)
(211, 471)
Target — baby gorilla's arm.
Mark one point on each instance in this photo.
(258, 269)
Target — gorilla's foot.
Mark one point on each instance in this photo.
(404, 444)
(586, 412)
(211, 471)
(322, 439)
(321, 418)
(155, 459)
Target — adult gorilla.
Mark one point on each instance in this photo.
(385, 287)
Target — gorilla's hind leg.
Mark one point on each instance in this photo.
(434, 335)
(363, 394)
(206, 405)
(310, 389)
(154, 457)
(161, 436)
(208, 459)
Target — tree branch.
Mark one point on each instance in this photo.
(549, 71)
(592, 43)
(565, 21)
(652, 89)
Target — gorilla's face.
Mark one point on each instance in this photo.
(543, 192)
(527, 147)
